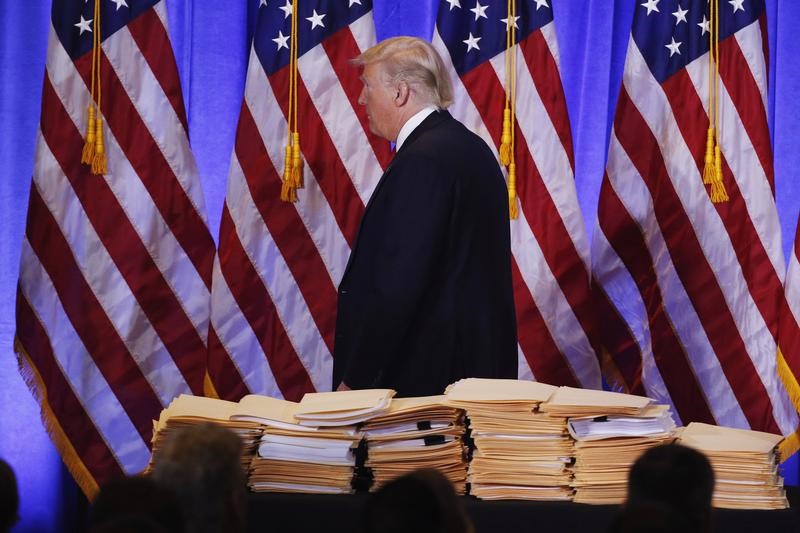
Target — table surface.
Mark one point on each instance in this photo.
(290, 513)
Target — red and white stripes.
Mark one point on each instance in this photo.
(279, 264)
(698, 284)
(113, 300)
(789, 328)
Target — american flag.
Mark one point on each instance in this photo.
(699, 284)
(789, 329)
(115, 275)
(279, 264)
(550, 263)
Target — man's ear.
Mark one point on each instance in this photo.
(402, 94)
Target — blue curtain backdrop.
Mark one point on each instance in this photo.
(211, 45)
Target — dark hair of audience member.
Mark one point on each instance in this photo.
(201, 464)
(422, 501)
(135, 504)
(648, 517)
(678, 477)
(9, 498)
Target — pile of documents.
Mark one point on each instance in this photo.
(416, 433)
(528, 440)
(342, 408)
(296, 458)
(519, 453)
(611, 430)
(745, 465)
(186, 410)
(309, 446)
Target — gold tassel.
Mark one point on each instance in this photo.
(99, 163)
(94, 153)
(287, 163)
(509, 113)
(88, 145)
(287, 189)
(293, 161)
(718, 192)
(288, 193)
(513, 210)
(297, 162)
(505, 138)
(712, 172)
(708, 168)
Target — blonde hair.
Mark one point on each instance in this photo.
(415, 62)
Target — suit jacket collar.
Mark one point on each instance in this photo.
(430, 121)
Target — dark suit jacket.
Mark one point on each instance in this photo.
(426, 298)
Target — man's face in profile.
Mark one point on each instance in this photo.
(379, 99)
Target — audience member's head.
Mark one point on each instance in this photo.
(9, 498)
(130, 504)
(677, 477)
(201, 465)
(423, 502)
(648, 517)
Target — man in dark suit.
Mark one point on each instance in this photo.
(426, 298)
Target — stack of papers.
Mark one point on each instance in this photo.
(652, 421)
(267, 411)
(289, 461)
(416, 433)
(342, 408)
(745, 465)
(186, 410)
(611, 430)
(519, 453)
(293, 457)
(571, 402)
(496, 395)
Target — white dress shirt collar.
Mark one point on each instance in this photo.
(411, 124)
